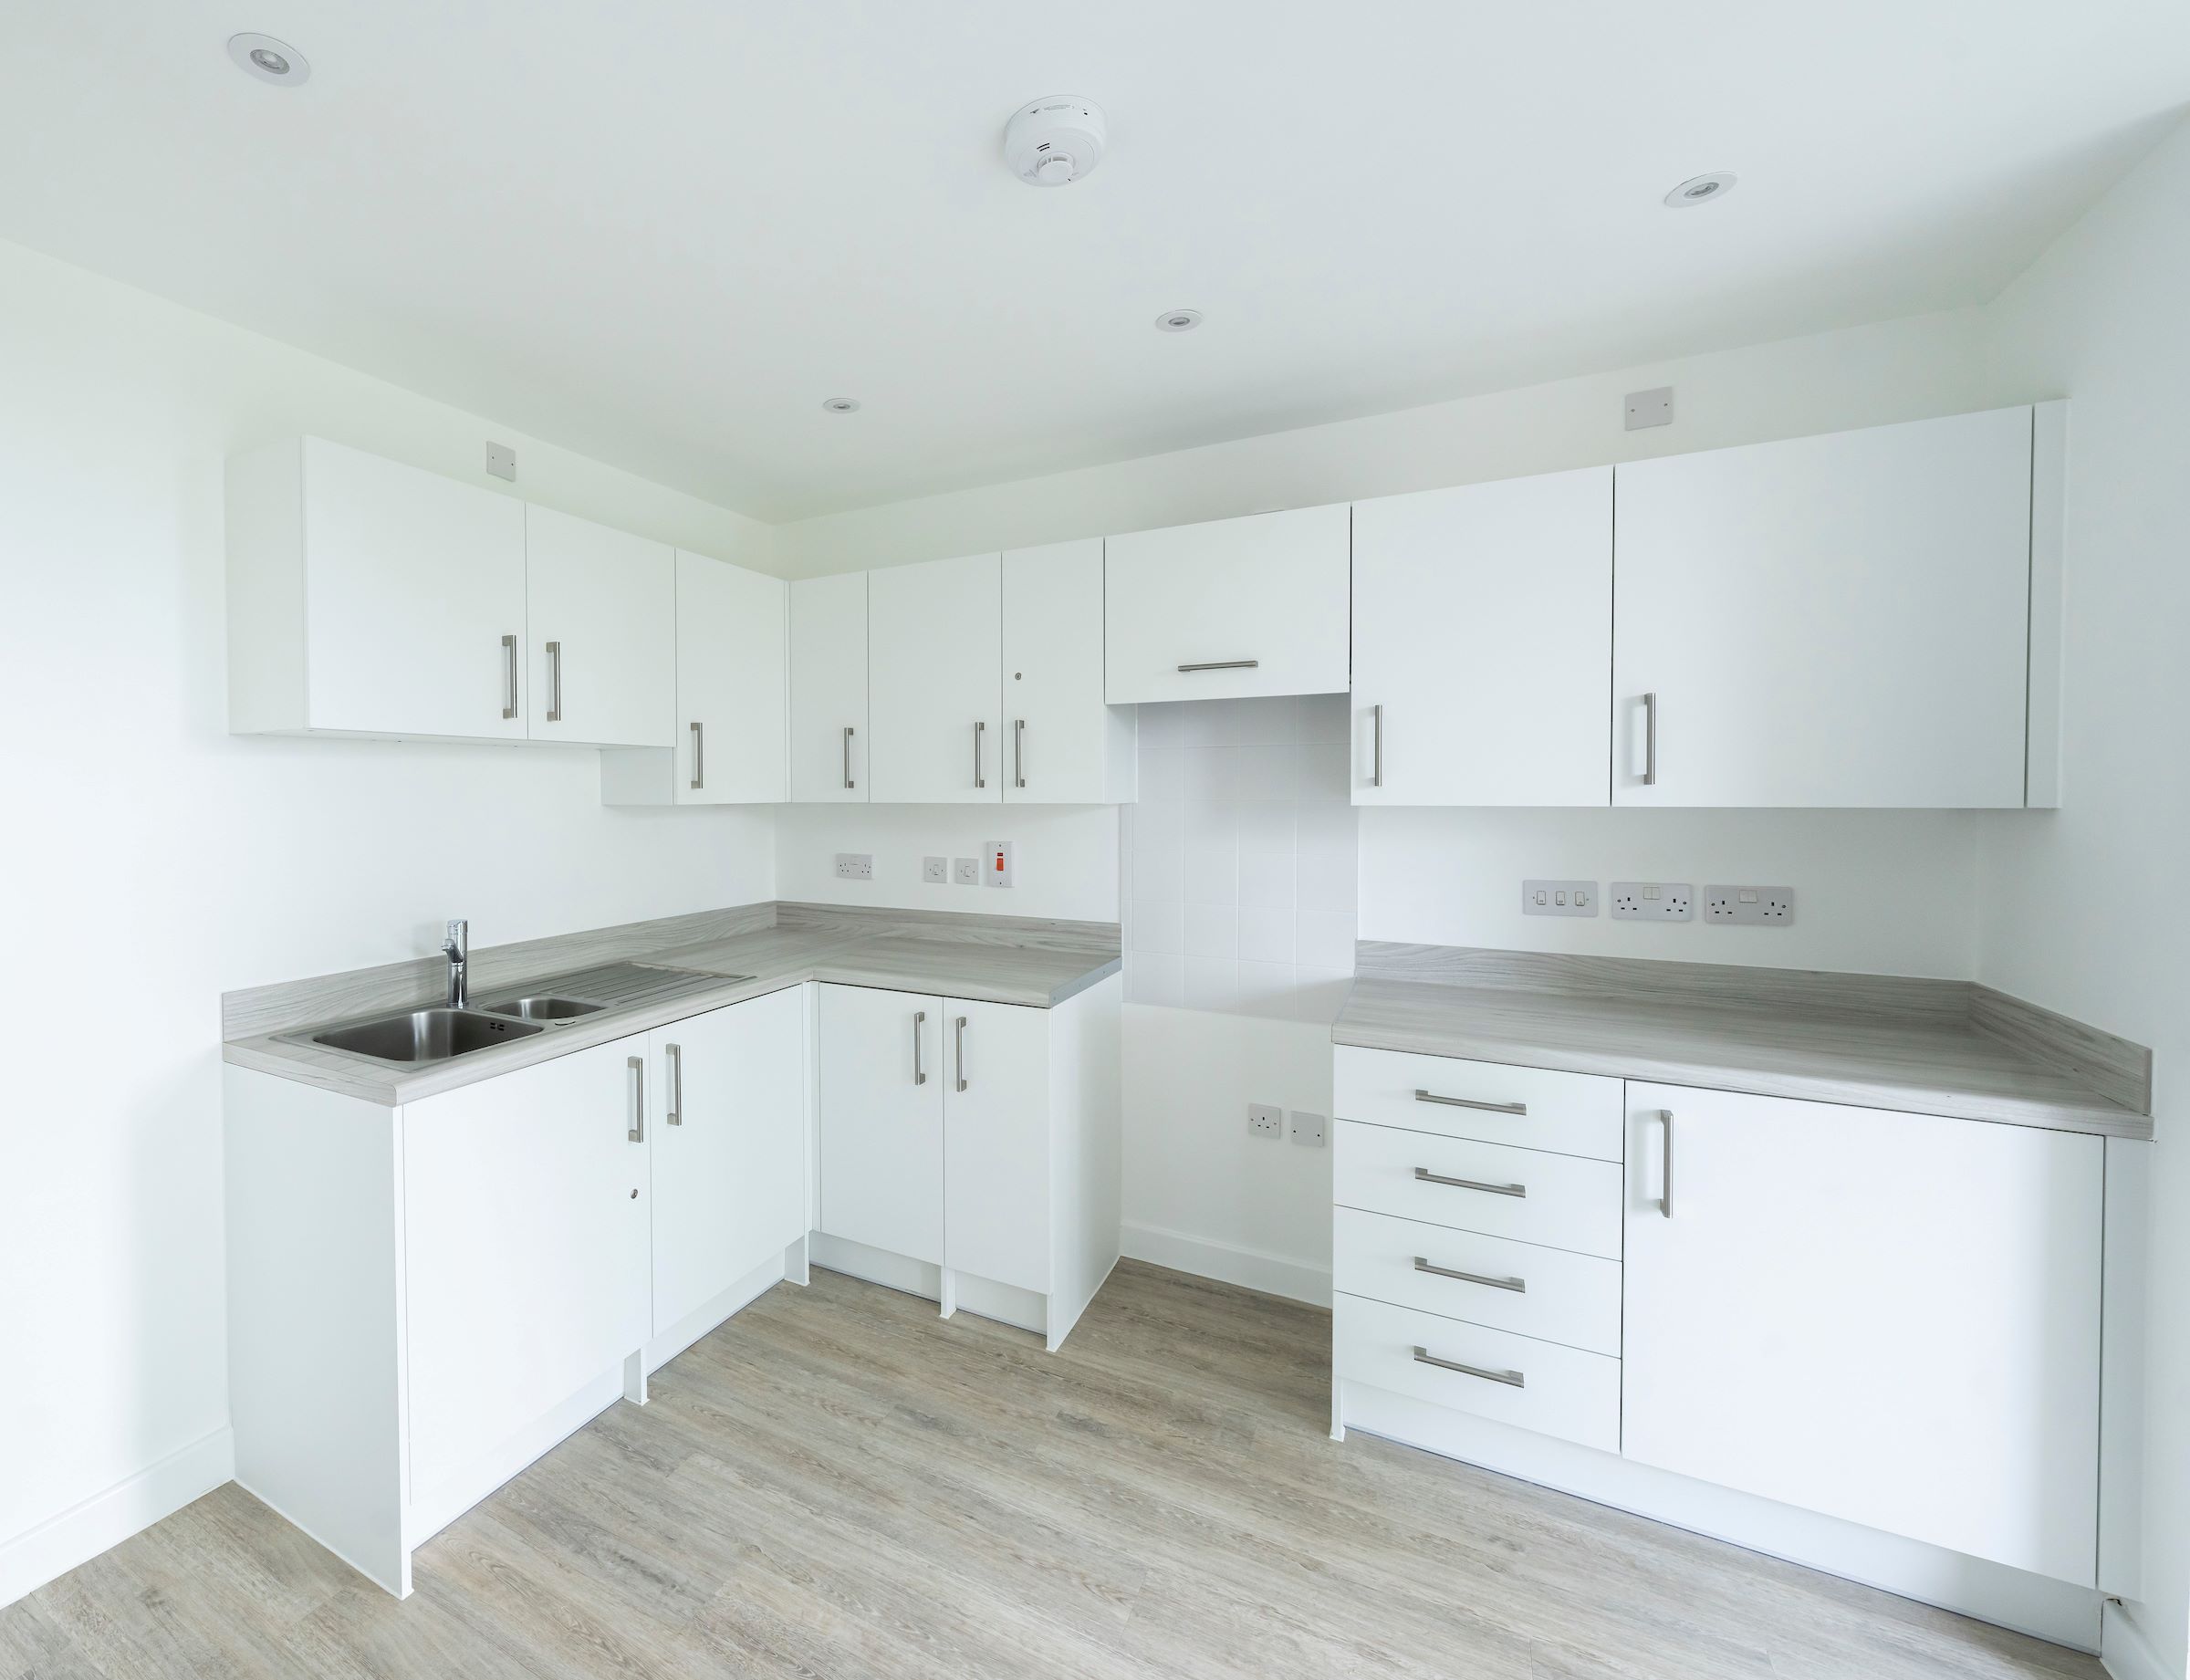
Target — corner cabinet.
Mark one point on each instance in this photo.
(934, 663)
(828, 689)
(1062, 746)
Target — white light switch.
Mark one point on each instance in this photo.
(1558, 898)
(998, 864)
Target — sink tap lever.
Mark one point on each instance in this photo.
(456, 947)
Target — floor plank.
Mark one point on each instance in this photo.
(838, 1486)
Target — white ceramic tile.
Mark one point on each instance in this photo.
(1326, 775)
(1161, 724)
(1268, 722)
(1211, 773)
(1212, 875)
(1163, 774)
(1159, 843)
(1268, 827)
(1212, 983)
(1213, 723)
(1335, 890)
(1324, 719)
(1268, 989)
(1321, 940)
(1212, 929)
(1159, 923)
(1152, 979)
(1265, 933)
(1326, 839)
(1265, 879)
(1264, 775)
(1319, 995)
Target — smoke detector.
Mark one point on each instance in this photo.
(1054, 141)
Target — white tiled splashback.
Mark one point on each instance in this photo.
(1237, 867)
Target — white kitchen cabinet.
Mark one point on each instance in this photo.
(525, 1221)
(995, 1144)
(366, 597)
(828, 689)
(1889, 1318)
(934, 673)
(1062, 746)
(881, 1115)
(731, 700)
(1235, 606)
(726, 1120)
(601, 636)
(1837, 620)
(1482, 641)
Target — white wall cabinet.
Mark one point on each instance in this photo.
(1062, 746)
(828, 689)
(370, 598)
(1482, 644)
(726, 1126)
(1235, 606)
(935, 671)
(1836, 621)
(602, 616)
(1889, 1318)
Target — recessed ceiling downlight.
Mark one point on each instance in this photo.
(841, 405)
(1178, 320)
(1701, 190)
(270, 60)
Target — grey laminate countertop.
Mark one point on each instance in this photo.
(988, 967)
(1917, 1062)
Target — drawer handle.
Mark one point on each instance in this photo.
(1469, 1103)
(1519, 1286)
(1424, 1175)
(1224, 665)
(1512, 1379)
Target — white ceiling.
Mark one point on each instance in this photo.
(661, 233)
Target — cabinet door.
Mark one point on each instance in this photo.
(1889, 1318)
(934, 658)
(1483, 643)
(1835, 620)
(881, 1120)
(602, 643)
(727, 1094)
(995, 1143)
(1252, 606)
(733, 698)
(415, 582)
(1062, 746)
(828, 689)
(524, 1244)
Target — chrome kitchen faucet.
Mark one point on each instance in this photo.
(456, 947)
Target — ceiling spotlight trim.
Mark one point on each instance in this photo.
(260, 55)
(841, 405)
(1702, 190)
(1178, 320)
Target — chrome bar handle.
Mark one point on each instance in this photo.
(1469, 1103)
(980, 730)
(637, 1064)
(1519, 1286)
(1665, 1199)
(961, 1031)
(1650, 740)
(699, 757)
(1224, 665)
(674, 1055)
(920, 1074)
(1512, 1379)
(554, 682)
(510, 676)
(848, 782)
(1019, 752)
(1376, 760)
(1424, 1175)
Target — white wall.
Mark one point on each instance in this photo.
(150, 861)
(2082, 909)
(1064, 857)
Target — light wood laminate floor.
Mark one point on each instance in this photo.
(838, 1484)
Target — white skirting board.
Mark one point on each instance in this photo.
(1250, 1268)
(108, 1518)
(2125, 1650)
(2034, 1604)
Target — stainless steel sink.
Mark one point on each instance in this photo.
(544, 1008)
(425, 1035)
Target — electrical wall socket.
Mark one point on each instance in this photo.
(935, 870)
(999, 863)
(1652, 901)
(855, 866)
(966, 871)
(1558, 898)
(1307, 1129)
(1757, 906)
(1266, 1120)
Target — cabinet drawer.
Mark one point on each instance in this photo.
(1561, 1201)
(1529, 1290)
(1535, 1108)
(1530, 1384)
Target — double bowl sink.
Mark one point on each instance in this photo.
(443, 1033)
